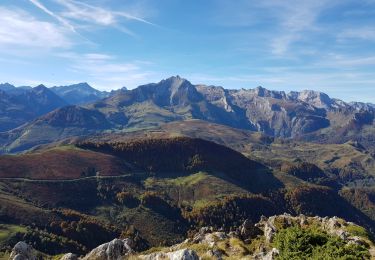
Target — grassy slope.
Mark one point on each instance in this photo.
(194, 189)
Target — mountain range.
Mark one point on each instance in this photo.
(19, 105)
(158, 163)
(80, 93)
(80, 110)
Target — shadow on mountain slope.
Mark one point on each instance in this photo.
(182, 156)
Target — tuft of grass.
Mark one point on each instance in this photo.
(257, 243)
(238, 246)
(357, 231)
(4, 255)
(200, 248)
(154, 250)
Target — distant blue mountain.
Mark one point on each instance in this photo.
(6, 87)
(80, 93)
(20, 105)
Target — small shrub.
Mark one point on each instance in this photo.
(312, 243)
(127, 199)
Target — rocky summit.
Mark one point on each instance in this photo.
(270, 238)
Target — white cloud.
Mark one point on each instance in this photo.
(281, 23)
(364, 33)
(106, 72)
(49, 12)
(337, 60)
(98, 56)
(296, 18)
(280, 45)
(20, 28)
(85, 13)
(80, 15)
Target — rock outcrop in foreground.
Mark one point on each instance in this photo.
(260, 241)
(22, 251)
(116, 249)
(183, 254)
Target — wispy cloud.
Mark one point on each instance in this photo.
(81, 10)
(106, 71)
(364, 33)
(90, 14)
(296, 18)
(77, 14)
(280, 23)
(54, 15)
(20, 28)
(352, 62)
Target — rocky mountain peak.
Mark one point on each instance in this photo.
(316, 98)
(263, 92)
(171, 91)
(175, 79)
(82, 86)
(42, 91)
(12, 90)
(174, 83)
(40, 87)
(260, 91)
(362, 106)
(6, 86)
(79, 93)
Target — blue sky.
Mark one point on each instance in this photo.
(325, 45)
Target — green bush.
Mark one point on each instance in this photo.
(127, 199)
(311, 243)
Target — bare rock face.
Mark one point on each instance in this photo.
(114, 250)
(316, 98)
(268, 227)
(183, 254)
(22, 251)
(271, 255)
(269, 232)
(69, 256)
(208, 236)
(215, 254)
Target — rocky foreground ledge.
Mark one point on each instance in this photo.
(270, 238)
